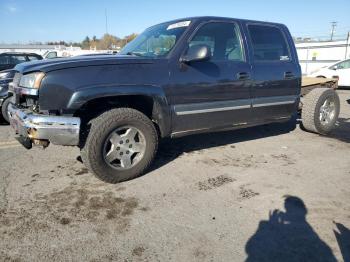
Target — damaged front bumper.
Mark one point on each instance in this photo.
(41, 129)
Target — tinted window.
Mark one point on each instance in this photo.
(5, 60)
(222, 39)
(268, 43)
(17, 59)
(32, 58)
(342, 65)
(51, 55)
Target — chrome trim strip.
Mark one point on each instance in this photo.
(219, 106)
(274, 101)
(210, 107)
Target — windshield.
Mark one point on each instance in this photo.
(156, 41)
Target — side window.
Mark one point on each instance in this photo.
(51, 55)
(268, 43)
(17, 59)
(223, 39)
(343, 65)
(32, 58)
(5, 60)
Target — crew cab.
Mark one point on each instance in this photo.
(177, 78)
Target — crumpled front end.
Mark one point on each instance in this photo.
(44, 129)
(35, 127)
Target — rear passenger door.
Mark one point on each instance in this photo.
(276, 72)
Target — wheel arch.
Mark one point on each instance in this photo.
(150, 100)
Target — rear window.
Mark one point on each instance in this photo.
(5, 60)
(32, 58)
(17, 59)
(269, 43)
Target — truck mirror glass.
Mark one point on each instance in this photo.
(196, 53)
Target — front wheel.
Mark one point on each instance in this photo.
(121, 145)
(320, 110)
(4, 109)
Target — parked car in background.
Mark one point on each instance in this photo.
(339, 70)
(6, 77)
(70, 53)
(10, 60)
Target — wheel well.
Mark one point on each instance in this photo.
(320, 76)
(95, 107)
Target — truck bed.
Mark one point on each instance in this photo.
(309, 83)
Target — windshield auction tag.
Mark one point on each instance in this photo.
(179, 24)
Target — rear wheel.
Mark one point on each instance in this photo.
(320, 110)
(121, 145)
(4, 109)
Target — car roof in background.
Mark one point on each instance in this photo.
(20, 53)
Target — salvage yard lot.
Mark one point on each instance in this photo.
(206, 198)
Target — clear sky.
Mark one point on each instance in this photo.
(72, 20)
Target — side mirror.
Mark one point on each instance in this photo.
(196, 53)
(335, 67)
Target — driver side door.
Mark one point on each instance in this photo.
(212, 94)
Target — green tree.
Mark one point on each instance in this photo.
(86, 43)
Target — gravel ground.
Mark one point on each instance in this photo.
(270, 193)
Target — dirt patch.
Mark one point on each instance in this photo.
(246, 193)
(214, 182)
(138, 251)
(284, 158)
(83, 171)
(246, 161)
(68, 207)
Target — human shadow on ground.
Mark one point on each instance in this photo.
(287, 236)
(343, 238)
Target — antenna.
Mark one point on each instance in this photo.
(106, 21)
(334, 25)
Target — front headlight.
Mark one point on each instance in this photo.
(4, 75)
(31, 80)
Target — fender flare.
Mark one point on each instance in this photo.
(161, 110)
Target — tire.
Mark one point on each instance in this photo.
(4, 108)
(102, 129)
(312, 108)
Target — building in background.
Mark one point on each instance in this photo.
(314, 55)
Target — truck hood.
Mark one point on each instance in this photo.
(79, 61)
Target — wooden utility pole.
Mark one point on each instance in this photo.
(334, 25)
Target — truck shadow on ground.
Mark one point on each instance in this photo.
(342, 131)
(170, 149)
(287, 236)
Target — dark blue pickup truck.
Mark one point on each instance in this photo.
(177, 78)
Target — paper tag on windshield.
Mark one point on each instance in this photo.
(179, 24)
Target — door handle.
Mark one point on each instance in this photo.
(243, 76)
(288, 75)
